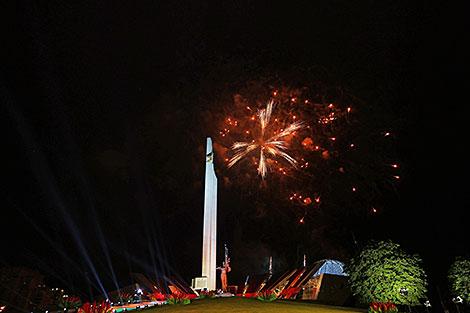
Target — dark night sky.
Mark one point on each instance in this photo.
(103, 143)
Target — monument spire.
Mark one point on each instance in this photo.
(209, 240)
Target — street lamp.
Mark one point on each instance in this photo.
(427, 305)
(404, 293)
(456, 301)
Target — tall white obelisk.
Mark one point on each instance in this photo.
(209, 239)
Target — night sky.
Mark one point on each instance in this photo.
(104, 109)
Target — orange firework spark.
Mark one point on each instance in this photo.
(274, 146)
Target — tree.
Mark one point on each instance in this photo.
(459, 278)
(383, 272)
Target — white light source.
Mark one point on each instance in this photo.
(457, 299)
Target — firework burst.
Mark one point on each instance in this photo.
(269, 146)
(323, 147)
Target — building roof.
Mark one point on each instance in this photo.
(330, 267)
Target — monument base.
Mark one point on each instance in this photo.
(199, 283)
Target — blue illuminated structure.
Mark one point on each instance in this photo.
(329, 267)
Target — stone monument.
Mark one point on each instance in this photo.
(209, 232)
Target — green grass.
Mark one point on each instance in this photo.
(238, 305)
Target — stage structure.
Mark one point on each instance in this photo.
(209, 232)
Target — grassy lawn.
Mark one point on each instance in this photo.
(238, 305)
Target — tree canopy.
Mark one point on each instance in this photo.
(384, 272)
(459, 278)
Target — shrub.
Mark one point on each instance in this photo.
(382, 270)
(122, 297)
(69, 303)
(127, 297)
(459, 278)
(382, 307)
(267, 296)
(207, 294)
(156, 296)
(103, 307)
(178, 298)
